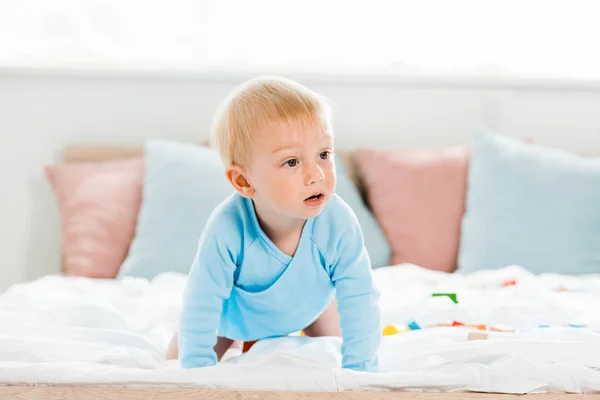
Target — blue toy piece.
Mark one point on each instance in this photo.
(413, 326)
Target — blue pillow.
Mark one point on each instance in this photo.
(531, 206)
(183, 183)
(375, 241)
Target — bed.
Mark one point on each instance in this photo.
(502, 332)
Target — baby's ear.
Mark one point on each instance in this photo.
(236, 176)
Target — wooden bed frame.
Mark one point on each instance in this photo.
(85, 392)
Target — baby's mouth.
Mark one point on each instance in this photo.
(314, 197)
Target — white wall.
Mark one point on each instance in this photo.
(40, 112)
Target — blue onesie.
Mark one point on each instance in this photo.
(242, 287)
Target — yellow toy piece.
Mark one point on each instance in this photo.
(390, 330)
(394, 330)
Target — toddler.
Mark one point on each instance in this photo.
(284, 252)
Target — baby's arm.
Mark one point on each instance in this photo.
(209, 283)
(358, 302)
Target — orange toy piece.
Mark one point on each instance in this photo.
(509, 282)
(248, 345)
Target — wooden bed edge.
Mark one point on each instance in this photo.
(66, 392)
(96, 153)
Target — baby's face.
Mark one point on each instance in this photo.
(292, 169)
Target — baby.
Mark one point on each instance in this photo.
(284, 252)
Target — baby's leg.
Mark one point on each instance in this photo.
(223, 344)
(328, 323)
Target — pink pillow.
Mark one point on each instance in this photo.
(99, 204)
(418, 198)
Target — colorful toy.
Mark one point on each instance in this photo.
(390, 330)
(509, 282)
(395, 329)
(452, 296)
(413, 326)
(248, 345)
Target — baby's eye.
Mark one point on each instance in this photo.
(324, 155)
(291, 163)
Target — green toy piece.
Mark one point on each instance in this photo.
(452, 296)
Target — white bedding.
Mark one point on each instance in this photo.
(84, 331)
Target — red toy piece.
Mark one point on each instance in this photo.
(509, 282)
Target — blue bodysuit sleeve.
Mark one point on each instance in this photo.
(209, 283)
(358, 302)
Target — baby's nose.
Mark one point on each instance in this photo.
(314, 175)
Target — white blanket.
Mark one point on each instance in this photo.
(105, 332)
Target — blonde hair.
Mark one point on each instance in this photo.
(258, 102)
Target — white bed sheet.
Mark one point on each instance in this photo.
(105, 332)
